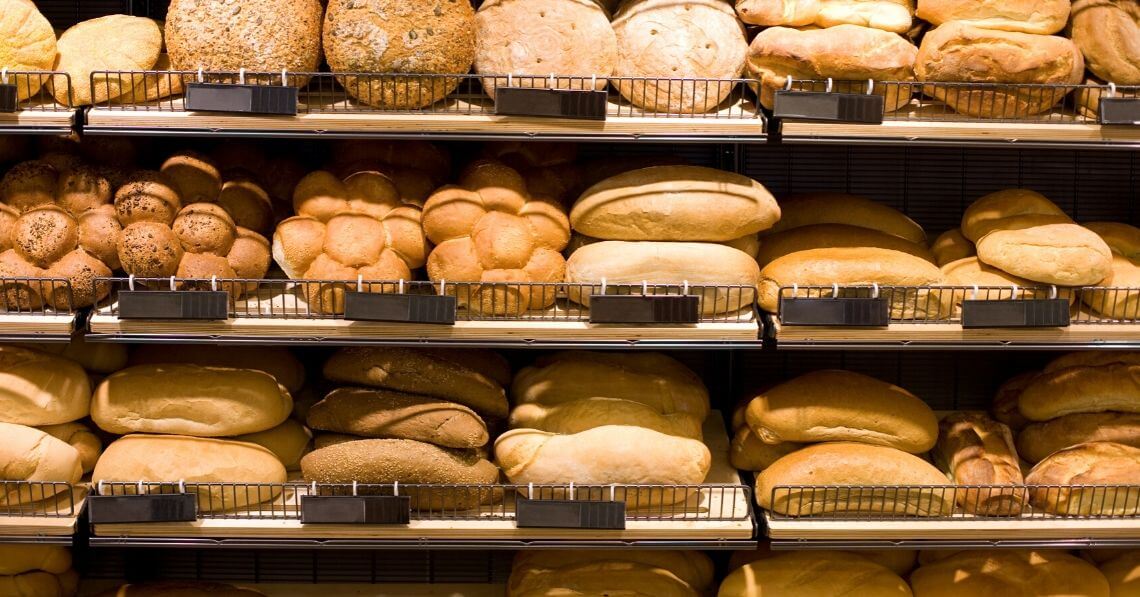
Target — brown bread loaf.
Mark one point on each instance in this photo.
(1038, 441)
(386, 414)
(1108, 33)
(1093, 479)
(1112, 387)
(977, 450)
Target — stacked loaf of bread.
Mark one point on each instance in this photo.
(1108, 34)
(812, 572)
(410, 416)
(663, 573)
(589, 419)
(888, 15)
(672, 225)
(37, 571)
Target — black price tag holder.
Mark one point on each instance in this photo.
(828, 106)
(240, 98)
(645, 308)
(186, 305)
(142, 508)
(569, 514)
(835, 311)
(9, 97)
(1118, 110)
(1049, 312)
(551, 102)
(435, 309)
(356, 509)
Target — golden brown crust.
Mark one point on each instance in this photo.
(384, 414)
(1043, 17)
(1110, 387)
(1038, 441)
(977, 450)
(1108, 32)
(1088, 479)
(823, 236)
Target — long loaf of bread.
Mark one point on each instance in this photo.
(978, 450)
(380, 414)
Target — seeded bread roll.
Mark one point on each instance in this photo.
(41, 389)
(1003, 572)
(80, 437)
(1092, 479)
(1108, 33)
(1038, 441)
(383, 414)
(814, 574)
(1112, 387)
(1026, 16)
(748, 452)
(823, 236)
(977, 450)
(951, 246)
(850, 210)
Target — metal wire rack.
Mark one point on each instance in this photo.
(38, 499)
(40, 91)
(36, 296)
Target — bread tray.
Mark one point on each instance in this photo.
(40, 511)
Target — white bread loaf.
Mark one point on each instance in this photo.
(748, 452)
(951, 246)
(18, 559)
(654, 379)
(94, 357)
(843, 406)
(1027, 16)
(37, 584)
(1111, 387)
(1120, 303)
(1093, 358)
(1092, 479)
(970, 271)
(274, 360)
(1038, 441)
(823, 236)
(174, 458)
(707, 265)
(80, 437)
(692, 567)
(380, 414)
(41, 389)
(989, 212)
(675, 203)
(899, 561)
(889, 15)
(977, 450)
(813, 574)
(288, 441)
(28, 454)
(580, 415)
(667, 39)
(839, 208)
(802, 475)
(189, 400)
(843, 53)
(1002, 572)
(1108, 33)
(1123, 574)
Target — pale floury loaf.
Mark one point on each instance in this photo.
(41, 389)
(110, 43)
(541, 37)
(1026, 16)
(889, 15)
(671, 39)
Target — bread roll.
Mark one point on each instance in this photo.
(1039, 440)
(693, 39)
(707, 267)
(384, 461)
(588, 413)
(382, 414)
(1112, 387)
(33, 584)
(824, 236)
(813, 574)
(1093, 479)
(174, 458)
(977, 450)
(1108, 33)
(1005, 407)
(692, 567)
(111, 43)
(180, 589)
(1026, 16)
(29, 454)
(836, 405)
(277, 361)
(288, 441)
(840, 208)
(857, 266)
(1093, 358)
(1123, 574)
(809, 478)
(440, 373)
(41, 389)
(675, 203)
(611, 454)
(960, 52)
(80, 437)
(1002, 572)
(538, 38)
(748, 452)
(18, 559)
(27, 43)
(654, 379)
(189, 400)
(844, 53)
(951, 246)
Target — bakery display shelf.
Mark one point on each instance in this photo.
(36, 309)
(487, 314)
(714, 515)
(38, 112)
(378, 105)
(992, 114)
(40, 511)
(931, 317)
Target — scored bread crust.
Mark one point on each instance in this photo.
(1094, 479)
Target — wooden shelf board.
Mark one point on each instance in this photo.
(966, 131)
(938, 333)
(38, 120)
(36, 325)
(966, 529)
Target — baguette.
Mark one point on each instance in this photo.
(839, 208)
(1112, 387)
(1038, 441)
(748, 453)
(1093, 479)
(824, 236)
(588, 413)
(807, 482)
(384, 414)
(977, 450)
(28, 454)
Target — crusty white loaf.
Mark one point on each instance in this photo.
(813, 574)
(840, 208)
(1003, 572)
(80, 437)
(988, 212)
(1111, 387)
(28, 454)
(274, 360)
(41, 389)
(675, 203)
(189, 400)
(950, 246)
(823, 236)
(1038, 441)
(748, 452)
(1092, 479)
(1027, 16)
(1119, 302)
(1108, 33)
(580, 415)
(977, 450)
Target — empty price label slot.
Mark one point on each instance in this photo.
(641, 309)
(576, 104)
(355, 509)
(400, 308)
(1017, 313)
(125, 509)
(569, 514)
(174, 304)
(841, 311)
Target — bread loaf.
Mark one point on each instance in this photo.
(1108, 33)
(1093, 358)
(1026, 16)
(599, 577)
(1048, 249)
(991, 211)
(806, 482)
(951, 246)
(839, 208)
(534, 39)
(393, 36)
(813, 574)
(1123, 574)
(1112, 387)
(288, 441)
(277, 361)
(1093, 479)
(857, 266)
(18, 559)
(750, 244)
(1039, 440)
(111, 43)
(1005, 408)
(27, 43)
(383, 414)
(78, 436)
(708, 268)
(180, 589)
(675, 203)
(189, 400)
(611, 454)
(899, 561)
(1118, 303)
(824, 236)
(588, 413)
(35, 584)
(692, 567)
(257, 35)
(665, 39)
(211, 462)
(1003, 572)
(836, 405)
(440, 373)
(890, 15)
(654, 379)
(41, 389)
(844, 53)
(960, 52)
(748, 452)
(94, 357)
(28, 454)
(977, 450)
